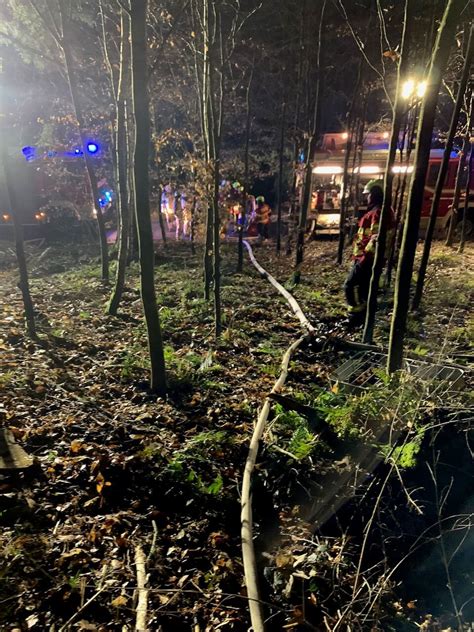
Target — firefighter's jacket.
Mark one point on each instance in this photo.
(263, 213)
(366, 239)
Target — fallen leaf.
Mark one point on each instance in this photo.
(392, 54)
(283, 559)
(120, 601)
(76, 446)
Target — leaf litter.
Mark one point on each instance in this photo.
(116, 467)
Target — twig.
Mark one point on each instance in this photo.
(142, 605)
(78, 612)
(153, 542)
(444, 554)
(407, 493)
(166, 37)
(360, 45)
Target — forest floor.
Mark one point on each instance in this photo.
(117, 470)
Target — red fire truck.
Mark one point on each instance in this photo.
(328, 169)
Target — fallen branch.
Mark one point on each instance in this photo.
(142, 605)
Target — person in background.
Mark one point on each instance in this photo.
(262, 212)
(356, 286)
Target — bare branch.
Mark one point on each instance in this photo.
(124, 6)
(361, 47)
(167, 35)
(53, 20)
(20, 43)
(105, 47)
(55, 35)
(383, 26)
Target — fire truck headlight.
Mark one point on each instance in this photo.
(329, 219)
(402, 169)
(328, 169)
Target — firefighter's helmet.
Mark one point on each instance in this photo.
(371, 184)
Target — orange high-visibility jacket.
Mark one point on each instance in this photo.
(263, 214)
(366, 239)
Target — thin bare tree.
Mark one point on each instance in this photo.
(120, 89)
(461, 172)
(443, 171)
(57, 21)
(310, 149)
(24, 283)
(138, 20)
(438, 64)
(397, 117)
(248, 129)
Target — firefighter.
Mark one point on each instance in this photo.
(262, 212)
(357, 284)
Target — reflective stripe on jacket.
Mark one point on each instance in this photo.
(366, 239)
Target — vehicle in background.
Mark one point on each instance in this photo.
(328, 170)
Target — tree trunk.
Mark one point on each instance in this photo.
(386, 211)
(439, 61)
(76, 103)
(202, 80)
(280, 177)
(460, 173)
(462, 241)
(400, 210)
(248, 127)
(294, 206)
(142, 202)
(161, 221)
(216, 112)
(160, 216)
(133, 241)
(19, 245)
(193, 215)
(356, 165)
(17, 225)
(342, 203)
(401, 149)
(121, 157)
(352, 135)
(443, 172)
(312, 139)
(216, 268)
(345, 176)
(206, 133)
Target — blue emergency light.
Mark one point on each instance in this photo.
(29, 153)
(92, 147)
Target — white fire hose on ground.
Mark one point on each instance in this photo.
(248, 549)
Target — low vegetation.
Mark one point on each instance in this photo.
(116, 468)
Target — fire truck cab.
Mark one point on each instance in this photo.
(369, 164)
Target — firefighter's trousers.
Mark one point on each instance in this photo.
(357, 285)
